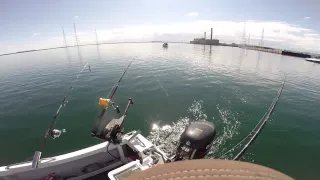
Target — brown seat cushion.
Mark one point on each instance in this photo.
(209, 169)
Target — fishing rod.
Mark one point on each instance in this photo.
(115, 87)
(54, 133)
(106, 102)
(264, 119)
(259, 130)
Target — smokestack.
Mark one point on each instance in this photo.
(205, 35)
(211, 33)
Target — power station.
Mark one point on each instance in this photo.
(205, 41)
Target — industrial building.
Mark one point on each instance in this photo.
(205, 41)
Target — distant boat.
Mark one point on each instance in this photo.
(165, 45)
(315, 60)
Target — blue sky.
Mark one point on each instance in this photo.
(36, 24)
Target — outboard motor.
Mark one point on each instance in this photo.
(196, 141)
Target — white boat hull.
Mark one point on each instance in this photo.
(80, 164)
(315, 60)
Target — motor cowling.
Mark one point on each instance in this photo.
(195, 142)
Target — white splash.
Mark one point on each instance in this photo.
(167, 136)
(155, 126)
(230, 129)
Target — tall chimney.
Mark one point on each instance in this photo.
(211, 33)
(205, 35)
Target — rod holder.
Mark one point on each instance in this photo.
(36, 159)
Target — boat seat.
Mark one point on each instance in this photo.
(206, 169)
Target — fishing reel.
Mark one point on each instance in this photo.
(107, 102)
(55, 133)
(109, 126)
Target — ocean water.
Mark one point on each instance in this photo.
(171, 87)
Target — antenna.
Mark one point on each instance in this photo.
(76, 40)
(64, 38)
(97, 40)
(261, 43)
(243, 38)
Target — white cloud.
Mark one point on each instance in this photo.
(276, 34)
(35, 34)
(55, 38)
(75, 17)
(307, 18)
(193, 14)
(82, 33)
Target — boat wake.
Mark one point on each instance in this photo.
(229, 126)
(166, 137)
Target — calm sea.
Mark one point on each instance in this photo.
(230, 87)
